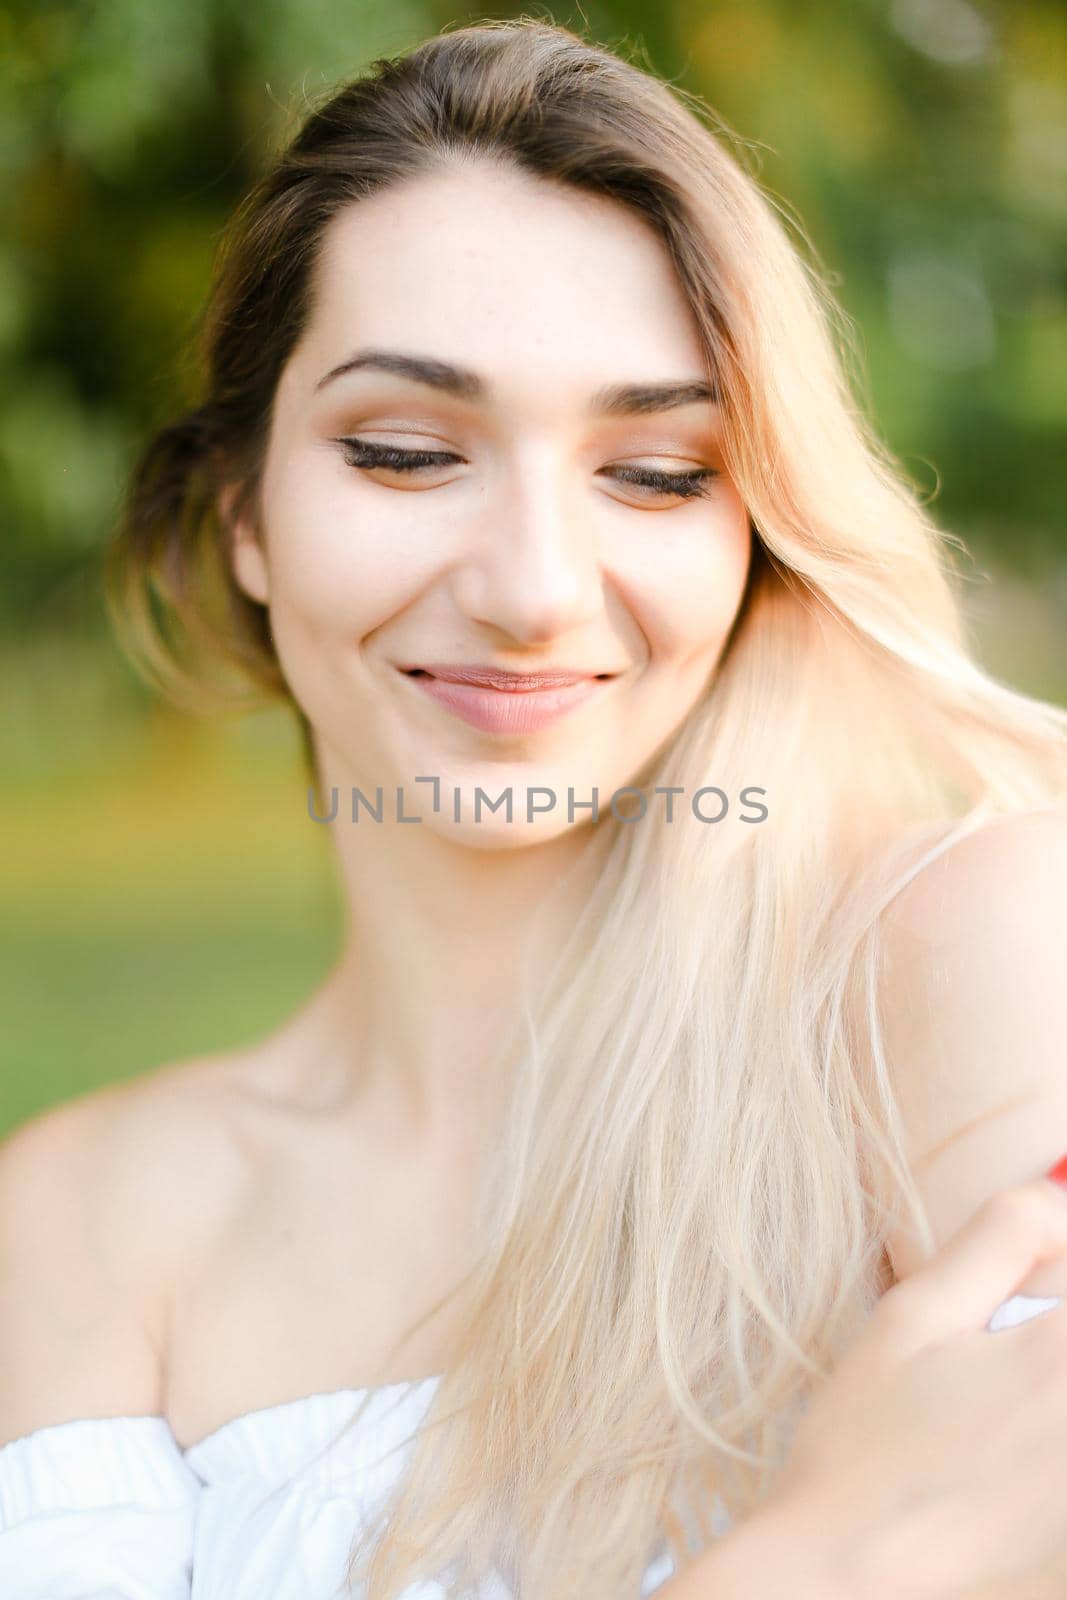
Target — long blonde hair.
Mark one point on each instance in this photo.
(701, 1154)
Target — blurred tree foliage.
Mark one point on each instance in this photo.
(922, 142)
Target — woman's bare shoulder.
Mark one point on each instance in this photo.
(145, 1154)
(101, 1198)
(1006, 862)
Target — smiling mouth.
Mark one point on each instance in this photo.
(512, 682)
(525, 705)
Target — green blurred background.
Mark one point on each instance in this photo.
(163, 891)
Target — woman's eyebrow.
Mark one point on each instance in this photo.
(616, 400)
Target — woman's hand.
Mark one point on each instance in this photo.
(932, 1464)
(934, 1459)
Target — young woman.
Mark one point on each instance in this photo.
(706, 909)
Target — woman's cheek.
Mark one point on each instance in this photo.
(341, 564)
(686, 589)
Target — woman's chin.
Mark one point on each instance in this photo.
(494, 834)
(488, 812)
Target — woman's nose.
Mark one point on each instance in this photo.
(532, 569)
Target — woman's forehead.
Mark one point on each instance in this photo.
(507, 275)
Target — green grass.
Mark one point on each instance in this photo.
(170, 900)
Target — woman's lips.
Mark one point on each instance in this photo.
(514, 711)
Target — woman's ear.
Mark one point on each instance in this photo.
(243, 544)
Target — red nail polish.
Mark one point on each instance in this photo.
(1059, 1172)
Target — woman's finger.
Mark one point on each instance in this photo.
(970, 1284)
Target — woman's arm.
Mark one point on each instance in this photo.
(974, 1005)
(95, 1497)
(975, 1013)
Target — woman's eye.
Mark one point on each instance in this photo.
(361, 453)
(687, 485)
(684, 485)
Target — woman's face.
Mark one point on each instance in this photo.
(525, 544)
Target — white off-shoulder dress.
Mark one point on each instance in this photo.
(265, 1508)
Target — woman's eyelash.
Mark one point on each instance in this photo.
(687, 484)
(361, 453)
(387, 455)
